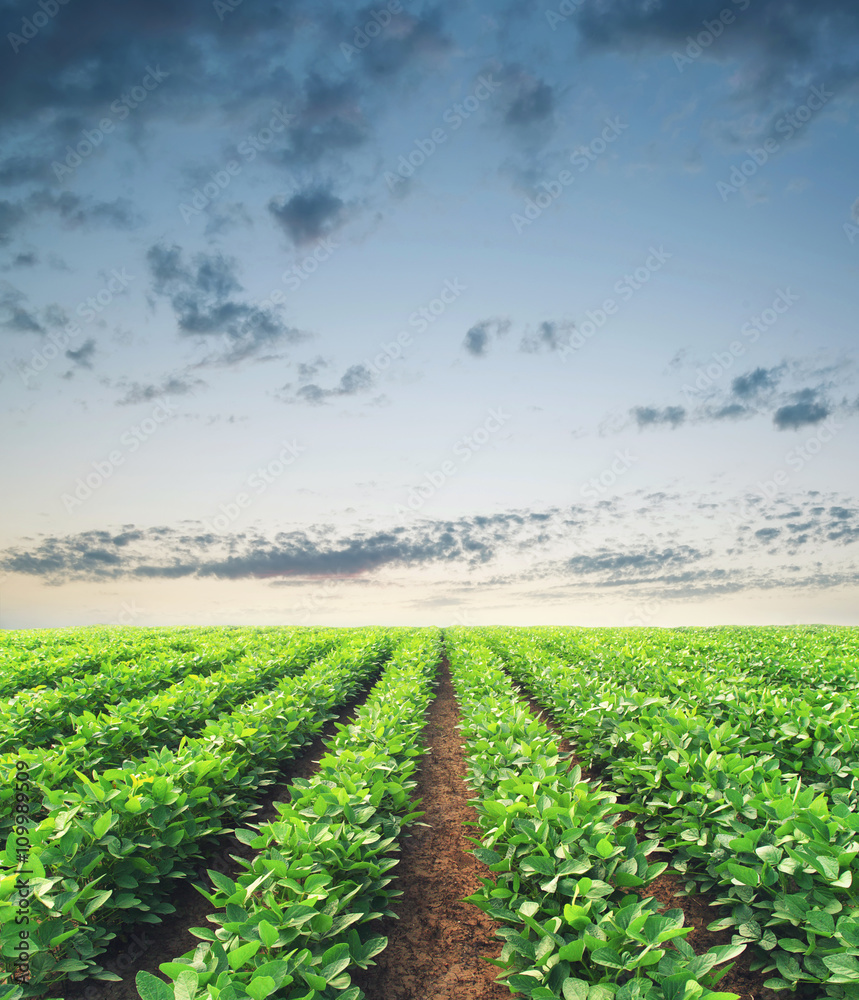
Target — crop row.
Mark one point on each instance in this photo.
(105, 854)
(111, 739)
(67, 712)
(44, 656)
(291, 924)
(563, 868)
(755, 796)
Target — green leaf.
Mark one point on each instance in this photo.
(260, 987)
(821, 922)
(314, 981)
(747, 876)
(573, 951)
(605, 848)
(152, 988)
(609, 957)
(102, 824)
(221, 882)
(575, 989)
(538, 863)
(334, 961)
(844, 967)
(267, 933)
(186, 985)
(241, 955)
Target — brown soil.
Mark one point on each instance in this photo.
(434, 950)
(146, 946)
(698, 913)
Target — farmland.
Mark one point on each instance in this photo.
(327, 814)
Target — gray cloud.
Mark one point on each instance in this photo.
(757, 382)
(355, 380)
(309, 215)
(12, 214)
(15, 313)
(85, 61)
(142, 392)
(635, 561)
(531, 102)
(73, 212)
(550, 336)
(756, 392)
(478, 337)
(779, 48)
(674, 545)
(23, 259)
(649, 416)
(83, 355)
(409, 38)
(801, 414)
(731, 411)
(201, 294)
(169, 553)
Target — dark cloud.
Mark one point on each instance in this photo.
(310, 369)
(534, 101)
(477, 339)
(767, 534)
(326, 120)
(757, 382)
(15, 313)
(633, 561)
(732, 411)
(91, 54)
(12, 214)
(84, 354)
(206, 56)
(408, 38)
(550, 336)
(797, 415)
(20, 169)
(309, 215)
(169, 553)
(755, 393)
(140, 392)
(356, 379)
(73, 212)
(782, 48)
(648, 542)
(649, 416)
(201, 293)
(24, 259)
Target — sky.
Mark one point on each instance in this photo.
(429, 313)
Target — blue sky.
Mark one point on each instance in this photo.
(428, 313)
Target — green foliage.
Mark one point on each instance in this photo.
(108, 844)
(293, 922)
(739, 749)
(562, 869)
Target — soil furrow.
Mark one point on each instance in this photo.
(436, 948)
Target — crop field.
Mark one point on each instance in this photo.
(473, 813)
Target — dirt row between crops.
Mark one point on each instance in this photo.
(437, 949)
(439, 945)
(666, 888)
(146, 946)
